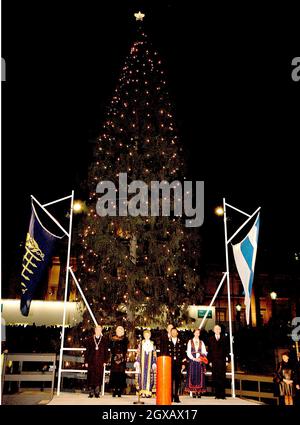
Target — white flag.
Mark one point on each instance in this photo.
(245, 255)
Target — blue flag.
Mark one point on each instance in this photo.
(245, 255)
(38, 252)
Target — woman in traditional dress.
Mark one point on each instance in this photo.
(95, 356)
(284, 378)
(118, 348)
(196, 353)
(145, 365)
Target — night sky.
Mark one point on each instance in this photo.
(229, 74)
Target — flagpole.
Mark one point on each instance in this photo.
(66, 296)
(212, 301)
(229, 302)
(83, 297)
(50, 215)
(243, 225)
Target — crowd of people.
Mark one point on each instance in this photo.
(192, 356)
(191, 352)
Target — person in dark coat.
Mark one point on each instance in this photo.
(284, 378)
(218, 352)
(95, 356)
(118, 348)
(177, 351)
(164, 339)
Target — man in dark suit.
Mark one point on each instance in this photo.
(164, 339)
(95, 356)
(177, 351)
(218, 352)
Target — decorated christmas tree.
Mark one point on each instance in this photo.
(141, 270)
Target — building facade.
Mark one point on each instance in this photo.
(274, 297)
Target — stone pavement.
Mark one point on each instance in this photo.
(36, 397)
(107, 399)
(27, 397)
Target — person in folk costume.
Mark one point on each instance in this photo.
(164, 339)
(197, 355)
(146, 364)
(95, 356)
(118, 348)
(218, 352)
(284, 378)
(177, 351)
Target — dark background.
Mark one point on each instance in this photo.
(237, 108)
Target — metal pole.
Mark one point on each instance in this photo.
(51, 216)
(66, 296)
(103, 379)
(240, 211)
(243, 225)
(57, 200)
(213, 300)
(84, 299)
(229, 302)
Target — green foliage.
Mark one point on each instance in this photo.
(139, 270)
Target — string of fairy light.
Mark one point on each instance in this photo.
(131, 112)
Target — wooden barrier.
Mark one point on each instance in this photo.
(30, 376)
(241, 378)
(163, 382)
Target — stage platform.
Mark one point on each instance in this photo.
(82, 399)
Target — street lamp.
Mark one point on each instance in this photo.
(238, 308)
(273, 295)
(78, 206)
(219, 211)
